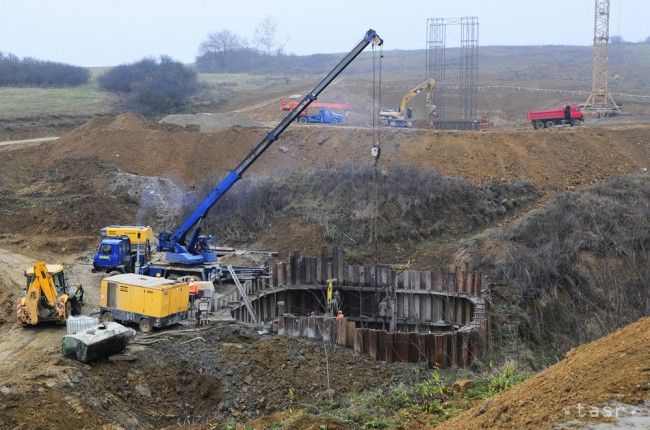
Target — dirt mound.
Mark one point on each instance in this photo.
(129, 121)
(614, 368)
(210, 122)
(550, 159)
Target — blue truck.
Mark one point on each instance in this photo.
(185, 251)
(324, 116)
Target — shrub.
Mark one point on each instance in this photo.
(571, 271)
(33, 72)
(505, 379)
(151, 87)
(414, 204)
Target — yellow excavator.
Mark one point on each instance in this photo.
(47, 296)
(402, 116)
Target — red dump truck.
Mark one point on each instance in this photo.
(549, 118)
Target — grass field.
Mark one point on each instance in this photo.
(562, 67)
(36, 102)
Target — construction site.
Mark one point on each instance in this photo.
(453, 247)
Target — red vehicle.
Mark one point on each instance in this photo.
(549, 118)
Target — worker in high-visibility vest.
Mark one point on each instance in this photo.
(194, 292)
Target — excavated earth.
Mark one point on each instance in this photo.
(550, 159)
(586, 386)
(68, 189)
(55, 196)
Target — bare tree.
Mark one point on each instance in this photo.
(220, 44)
(266, 36)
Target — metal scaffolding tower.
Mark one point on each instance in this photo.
(455, 69)
(600, 99)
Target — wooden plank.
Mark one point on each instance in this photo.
(415, 280)
(311, 326)
(400, 347)
(440, 350)
(453, 349)
(399, 280)
(440, 281)
(372, 343)
(389, 355)
(281, 325)
(326, 329)
(429, 347)
(462, 281)
(465, 352)
(381, 345)
(319, 269)
(358, 341)
(350, 329)
(287, 273)
(341, 331)
(340, 265)
(426, 275)
(415, 347)
(280, 274)
(293, 273)
(307, 270)
(274, 275)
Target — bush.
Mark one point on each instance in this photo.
(151, 87)
(571, 271)
(414, 205)
(32, 72)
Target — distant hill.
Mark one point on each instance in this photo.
(562, 67)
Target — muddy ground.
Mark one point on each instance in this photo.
(55, 196)
(180, 376)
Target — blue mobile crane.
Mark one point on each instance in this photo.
(187, 251)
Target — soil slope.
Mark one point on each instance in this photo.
(614, 368)
(550, 159)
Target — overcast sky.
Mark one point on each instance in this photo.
(103, 33)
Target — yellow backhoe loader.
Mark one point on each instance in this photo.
(402, 116)
(47, 296)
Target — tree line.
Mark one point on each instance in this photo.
(28, 71)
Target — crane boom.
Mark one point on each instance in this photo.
(178, 248)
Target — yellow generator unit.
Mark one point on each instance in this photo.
(131, 231)
(144, 300)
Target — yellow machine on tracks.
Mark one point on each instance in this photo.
(402, 116)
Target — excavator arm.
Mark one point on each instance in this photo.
(428, 85)
(41, 299)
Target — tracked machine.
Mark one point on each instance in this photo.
(402, 116)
